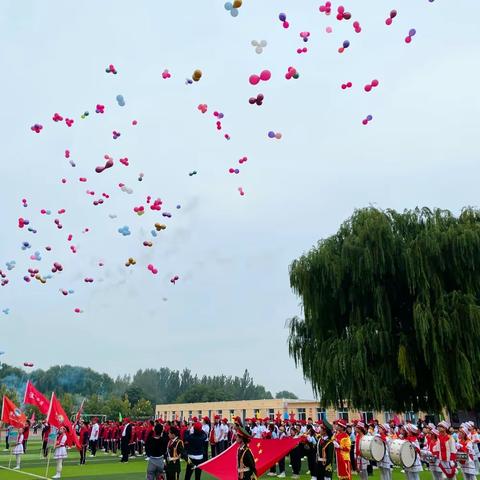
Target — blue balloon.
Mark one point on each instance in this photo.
(234, 12)
(346, 44)
(228, 6)
(120, 100)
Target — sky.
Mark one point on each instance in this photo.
(228, 310)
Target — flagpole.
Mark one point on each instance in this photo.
(48, 463)
(25, 394)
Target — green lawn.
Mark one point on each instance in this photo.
(107, 467)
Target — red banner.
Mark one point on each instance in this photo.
(11, 414)
(58, 418)
(34, 397)
(266, 453)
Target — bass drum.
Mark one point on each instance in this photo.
(402, 453)
(372, 448)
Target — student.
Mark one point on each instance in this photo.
(60, 452)
(156, 449)
(18, 449)
(194, 445)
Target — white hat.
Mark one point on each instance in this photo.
(444, 424)
(385, 426)
(412, 428)
(431, 425)
(465, 431)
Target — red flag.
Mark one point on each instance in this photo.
(80, 411)
(11, 414)
(266, 453)
(34, 397)
(57, 417)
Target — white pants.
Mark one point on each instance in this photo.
(437, 475)
(18, 457)
(385, 473)
(363, 474)
(469, 476)
(59, 465)
(413, 475)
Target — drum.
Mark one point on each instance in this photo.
(428, 457)
(462, 457)
(402, 453)
(372, 448)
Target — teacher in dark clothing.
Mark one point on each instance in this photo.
(125, 439)
(194, 445)
(156, 450)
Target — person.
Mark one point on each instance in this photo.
(224, 435)
(18, 450)
(360, 462)
(310, 449)
(429, 448)
(26, 434)
(465, 446)
(126, 436)
(245, 461)
(385, 464)
(446, 450)
(194, 445)
(7, 437)
(296, 453)
(216, 436)
(45, 433)
(94, 437)
(206, 429)
(325, 452)
(156, 449)
(413, 472)
(175, 450)
(84, 438)
(60, 452)
(342, 444)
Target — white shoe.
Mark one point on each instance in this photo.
(271, 474)
(16, 468)
(313, 478)
(57, 475)
(281, 475)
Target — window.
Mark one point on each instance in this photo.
(190, 414)
(302, 415)
(209, 414)
(271, 413)
(367, 416)
(219, 412)
(232, 414)
(244, 415)
(411, 417)
(321, 414)
(389, 416)
(173, 414)
(199, 414)
(343, 414)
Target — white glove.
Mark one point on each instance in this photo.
(452, 463)
(336, 444)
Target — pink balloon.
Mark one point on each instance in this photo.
(254, 79)
(265, 75)
(278, 136)
(329, 29)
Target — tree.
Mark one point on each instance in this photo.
(286, 394)
(10, 393)
(115, 406)
(134, 394)
(143, 409)
(94, 404)
(391, 311)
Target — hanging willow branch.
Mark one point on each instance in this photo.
(392, 311)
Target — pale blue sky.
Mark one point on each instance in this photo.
(232, 253)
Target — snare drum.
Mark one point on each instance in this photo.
(372, 448)
(402, 453)
(462, 457)
(428, 457)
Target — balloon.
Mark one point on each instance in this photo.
(111, 69)
(329, 29)
(57, 117)
(271, 134)
(346, 44)
(412, 32)
(197, 75)
(120, 100)
(228, 6)
(115, 134)
(254, 79)
(125, 231)
(237, 3)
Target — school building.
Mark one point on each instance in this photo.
(271, 408)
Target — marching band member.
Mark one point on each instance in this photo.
(60, 451)
(342, 443)
(475, 438)
(245, 461)
(18, 449)
(446, 450)
(174, 454)
(325, 451)
(360, 462)
(431, 450)
(413, 472)
(385, 465)
(465, 445)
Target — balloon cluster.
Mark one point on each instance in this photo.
(342, 14)
(100, 108)
(120, 100)
(326, 9)
(305, 36)
(347, 85)
(146, 243)
(302, 50)
(124, 161)
(203, 107)
(174, 279)
(357, 27)
(36, 256)
(11, 265)
(88, 280)
(272, 134)
(22, 222)
(344, 46)
(367, 119)
(157, 205)
(159, 227)
(152, 268)
(26, 246)
(191, 174)
(111, 69)
(264, 76)
(412, 32)
(139, 210)
(37, 128)
(4, 279)
(115, 134)
(292, 73)
(125, 189)
(45, 212)
(79, 310)
(84, 115)
(57, 267)
(134, 122)
(243, 160)
(283, 18)
(259, 46)
(140, 176)
(233, 170)
(370, 86)
(130, 261)
(69, 122)
(108, 164)
(125, 231)
(58, 224)
(66, 292)
(240, 190)
(258, 100)
(166, 214)
(389, 20)
(233, 7)
(57, 117)
(24, 202)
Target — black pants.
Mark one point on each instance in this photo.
(213, 447)
(352, 458)
(190, 469)
(45, 448)
(296, 460)
(25, 446)
(83, 454)
(312, 463)
(205, 452)
(323, 473)
(132, 449)
(93, 447)
(173, 470)
(7, 445)
(124, 449)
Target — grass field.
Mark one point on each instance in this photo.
(107, 467)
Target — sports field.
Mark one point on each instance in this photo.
(106, 467)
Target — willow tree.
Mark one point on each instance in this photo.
(392, 311)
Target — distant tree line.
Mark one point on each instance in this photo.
(129, 395)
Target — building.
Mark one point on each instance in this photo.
(271, 408)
